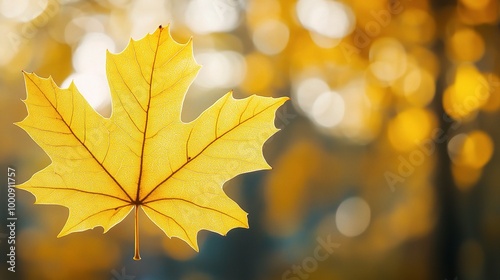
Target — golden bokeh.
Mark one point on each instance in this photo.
(465, 177)
(410, 127)
(417, 26)
(416, 86)
(259, 75)
(466, 45)
(476, 4)
(472, 150)
(493, 103)
(468, 93)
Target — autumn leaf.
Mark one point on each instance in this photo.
(144, 156)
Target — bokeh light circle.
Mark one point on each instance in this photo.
(353, 216)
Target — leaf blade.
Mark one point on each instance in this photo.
(144, 155)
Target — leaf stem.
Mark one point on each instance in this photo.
(137, 256)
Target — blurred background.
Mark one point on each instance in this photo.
(384, 167)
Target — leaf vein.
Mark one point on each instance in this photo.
(206, 147)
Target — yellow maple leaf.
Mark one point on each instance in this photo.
(144, 156)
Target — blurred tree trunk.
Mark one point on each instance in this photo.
(448, 235)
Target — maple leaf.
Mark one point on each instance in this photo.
(144, 156)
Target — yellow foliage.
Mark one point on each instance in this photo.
(144, 156)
